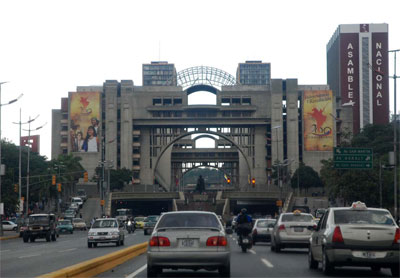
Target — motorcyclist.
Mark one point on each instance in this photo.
(130, 224)
(244, 224)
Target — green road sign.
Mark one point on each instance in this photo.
(352, 158)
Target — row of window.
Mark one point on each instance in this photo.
(167, 101)
(226, 101)
(202, 114)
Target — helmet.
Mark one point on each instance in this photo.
(243, 210)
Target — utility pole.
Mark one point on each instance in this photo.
(2, 169)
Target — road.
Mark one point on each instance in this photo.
(20, 259)
(260, 261)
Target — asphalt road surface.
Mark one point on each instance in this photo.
(260, 261)
(19, 259)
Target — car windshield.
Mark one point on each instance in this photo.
(297, 218)
(182, 220)
(64, 222)
(375, 217)
(139, 219)
(43, 219)
(121, 212)
(265, 223)
(105, 224)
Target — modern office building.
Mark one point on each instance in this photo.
(358, 72)
(254, 73)
(152, 130)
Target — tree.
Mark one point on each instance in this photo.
(363, 185)
(305, 177)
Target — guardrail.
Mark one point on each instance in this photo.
(99, 265)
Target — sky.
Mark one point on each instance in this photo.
(48, 48)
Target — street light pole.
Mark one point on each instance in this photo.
(28, 168)
(1, 165)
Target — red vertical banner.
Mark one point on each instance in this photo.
(380, 78)
(349, 75)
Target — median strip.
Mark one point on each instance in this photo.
(99, 265)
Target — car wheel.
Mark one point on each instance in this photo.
(312, 264)
(32, 238)
(89, 245)
(122, 242)
(117, 243)
(272, 245)
(94, 244)
(375, 269)
(395, 270)
(53, 237)
(327, 266)
(72, 232)
(15, 229)
(277, 248)
(225, 271)
(25, 238)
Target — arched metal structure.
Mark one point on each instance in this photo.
(204, 78)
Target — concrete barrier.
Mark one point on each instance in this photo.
(99, 265)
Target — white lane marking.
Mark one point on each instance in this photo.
(267, 263)
(22, 257)
(4, 250)
(72, 249)
(137, 272)
(252, 252)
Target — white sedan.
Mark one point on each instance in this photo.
(9, 225)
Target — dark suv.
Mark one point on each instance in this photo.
(41, 226)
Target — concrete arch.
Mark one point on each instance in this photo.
(204, 136)
(196, 132)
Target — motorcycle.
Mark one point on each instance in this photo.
(130, 227)
(246, 243)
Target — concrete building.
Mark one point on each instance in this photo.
(357, 73)
(151, 128)
(254, 73)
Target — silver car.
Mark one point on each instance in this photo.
(105, 230)
(262, 230)
(292, 230)
(188, 240)
(355, 236)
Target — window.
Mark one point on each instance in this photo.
(177, 101)
(236, 101)
(157, 101)
(167, 101)
(246, 101)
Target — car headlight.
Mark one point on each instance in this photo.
(92, 233)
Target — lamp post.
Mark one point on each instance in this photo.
(20, 155)
(102, 164)
(28, 168)
(1, 165)
(58, 167)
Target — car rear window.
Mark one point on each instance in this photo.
(374, 217)
(296, 218)
(105, 224)
(265, 223)
(183, 220)
(65, 222)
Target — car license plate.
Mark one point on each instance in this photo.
(245, 240)
(188, 242)
(369, 255)
(298, 229)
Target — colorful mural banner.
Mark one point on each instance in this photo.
(318, 120)
(85, 125)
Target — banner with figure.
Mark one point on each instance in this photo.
(84, 126)
(318, 120)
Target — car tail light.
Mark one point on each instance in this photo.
(281, 227)
(397, 236)
(217, 241)
(254, 231)
(337, 235)
(159, 241)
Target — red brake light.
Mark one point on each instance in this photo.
(281, 227)
(337, 235)
(159, 241)
(217, 241)
(397, 236)
(254, 231)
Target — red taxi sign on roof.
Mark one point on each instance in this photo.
(358, 205)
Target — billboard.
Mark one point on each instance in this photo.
(318, 120)
(32, 141)
(84, 121)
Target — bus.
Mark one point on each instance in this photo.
(123, 214)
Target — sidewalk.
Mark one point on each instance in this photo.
(9, 235)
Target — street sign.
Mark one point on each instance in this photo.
(352, 158)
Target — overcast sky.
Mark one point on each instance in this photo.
(48, 48)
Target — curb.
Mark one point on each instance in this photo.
(93, 267)
(8, 237)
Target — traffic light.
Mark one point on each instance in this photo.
(85, 177)
(53, 180)
(16, 188)
(59, 187)
(253, 182)
(228, 180)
